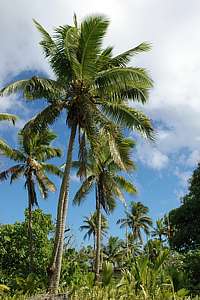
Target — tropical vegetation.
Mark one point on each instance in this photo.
(94, 93)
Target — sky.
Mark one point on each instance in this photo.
(163, 167)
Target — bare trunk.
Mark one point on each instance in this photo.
(127, 246)
(30, 235)
(98, 238)
(94, 252)
(55, 267)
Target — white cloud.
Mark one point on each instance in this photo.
(193, 158)
(151, 156)
(74, 178)
(174, 61)
(183, 177)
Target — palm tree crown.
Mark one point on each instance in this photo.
(102, 173)
(161, 230)
(137, 220)
(91, 84)
(90, 224)
(31, 157)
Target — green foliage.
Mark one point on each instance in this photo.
(14, 253)
(137, 219)
(91, 224)
(161, 230)
(185, 219)
(31, 155)
(107, 273)
(191, 263)
(113, 251)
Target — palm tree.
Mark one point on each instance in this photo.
(102, 175)
(93, 87)
(137, 220)
(30, 158)
(114, 251)
(160, 230)
(90, 224)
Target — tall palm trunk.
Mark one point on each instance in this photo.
(55, 266)
(127, 244)
(30, 234)
(94, 251)
(98, 236)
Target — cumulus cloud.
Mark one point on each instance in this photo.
(174, 61)
(151, 156)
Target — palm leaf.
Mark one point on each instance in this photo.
(15, 170)
(123, 59)
(93, 30)
(43, 119)
(8, 117)
(13, 154)
(84, 190)
(128, 117)
(47, 42)
(116, 81)
(45, 184)
(52, 169)
(125, 184)
(18, 173)
(44, 153)
(35, 88)
(71, 43)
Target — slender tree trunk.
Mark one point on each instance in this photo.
(127, 246)
(30, 235)
(94, 252)
(98, 237)
(55, 266)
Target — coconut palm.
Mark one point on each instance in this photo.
(113, 251)
(93, 87)
(160, 230)
(90, 224)
(30, 159)
(137, 220)
(102, 175)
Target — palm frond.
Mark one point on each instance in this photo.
(14, 171)
(45, 184)
(84, 190)
(116, 81)
(43, 119)
(35, 88)
(44, 153)
(124, 184)
(71, 43)
(93, 30)
(47, 42)
(52, 169)
(104, 59)
(129, 117)
(8, 117)
(123, 59)
(122, 222)
(13, 154)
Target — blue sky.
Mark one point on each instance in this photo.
(163, 167)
